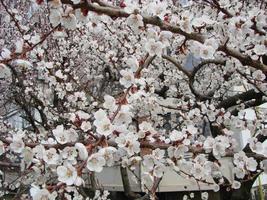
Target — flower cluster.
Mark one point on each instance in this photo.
(150, 86)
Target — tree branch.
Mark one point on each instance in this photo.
(245, 96)
(156, 21)
(177, 65)
(126, 184)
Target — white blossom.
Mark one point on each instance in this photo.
(240, 159)
(206, 52)
(158, 153)
(135, 21)
(258, 75)
(154, 47)
(124, 116)
(198, 171)
(39, 151)
(96, 162)
(108, 154)
(41, 194)
(86, 126)
(67, 174)
(129, 143)
(35, 39)
(69, 21)
(17, 145)
(83, 153)
(127, 78)
(251, 164)
(148, 162)
(76, 1)
(165, 37)
(83, 115)
(260, 49)
(79, 182)
(72, 135)
(236, 185)
(202, 21)
(104, 126)
(132, 62)
(204, 196)
(239, 172)
(5, 54)
(212, 42)
(70, 154)
(208, 144)
(176, 135)
(110, 102)
(159, 170)
(55, 17)
(19, 46)
(61, 134)
(51, 156)
(60, 75)
(27, 155)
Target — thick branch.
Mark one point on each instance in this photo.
(126, 184)
(8, 164)
(245, 96)
(244, 59)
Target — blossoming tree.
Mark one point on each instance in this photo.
(105, 83)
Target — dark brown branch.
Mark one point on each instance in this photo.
(27, 110)
(126, 185)
(244, 59)
(93, 181)
(146, 63)
(215, 4)
(245, 96)
(20, 100)
(8, 164)
(223, 10)
(249, 104)
(250, 81)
